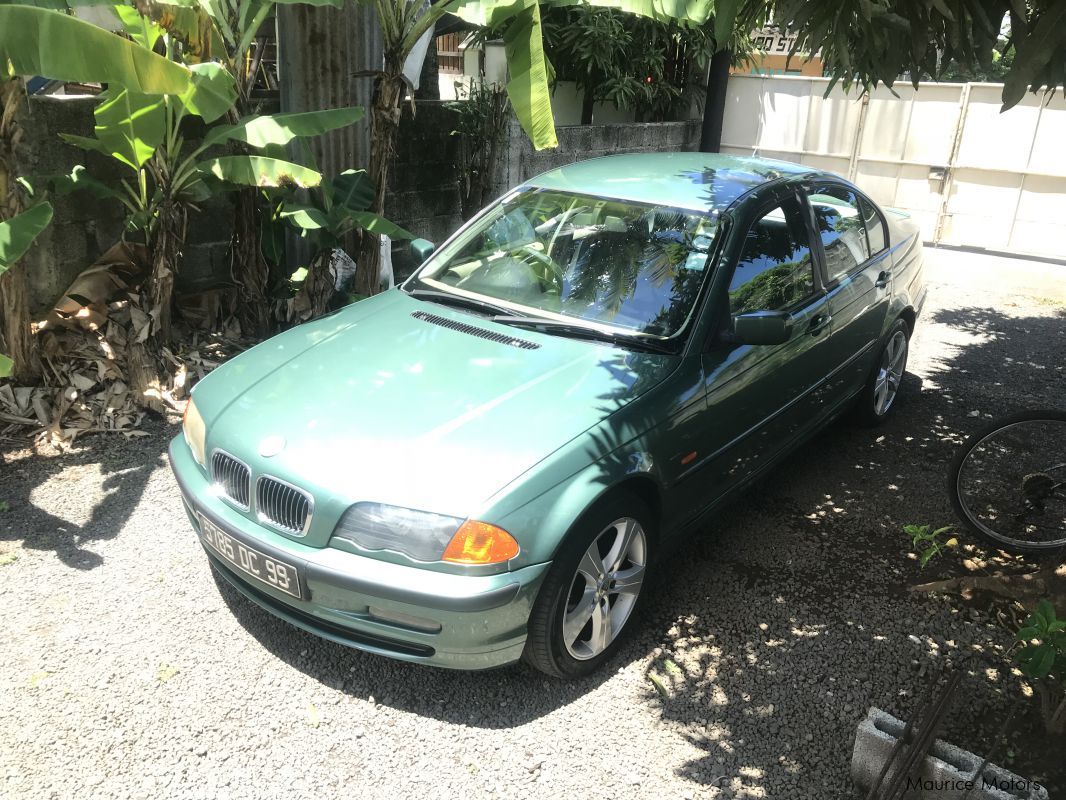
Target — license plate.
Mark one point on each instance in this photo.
(270, 571)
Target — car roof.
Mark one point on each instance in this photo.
(696, 181)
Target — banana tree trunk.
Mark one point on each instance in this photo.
(384, 123)
(15, 332)
(167, 243)
(250, 268)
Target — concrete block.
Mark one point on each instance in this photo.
(948, 773)
(204, 266)
(604, 137)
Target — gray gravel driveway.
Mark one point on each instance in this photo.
(127, 670)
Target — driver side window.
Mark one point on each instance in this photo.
(775, 270)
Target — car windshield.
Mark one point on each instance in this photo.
(632, 267)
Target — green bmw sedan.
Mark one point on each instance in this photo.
(486, 463)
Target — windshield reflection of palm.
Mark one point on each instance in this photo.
(625, 265)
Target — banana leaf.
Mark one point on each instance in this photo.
(352, 189)
(78, 179)
(260, 171)
(211, 93)
(18, 233)
(39, 41)
(306, 218)
(280, 129)
(523, 43)
(524, 46)
(130, 125)
(375, 224)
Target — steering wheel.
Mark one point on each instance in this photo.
(552, 272)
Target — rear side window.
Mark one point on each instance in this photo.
(875, 227)
(775, 269)
(841, 225)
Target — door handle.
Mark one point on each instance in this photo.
(882, 279)
(819, 323)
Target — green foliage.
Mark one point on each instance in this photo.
(61, 47)
(129, 127)
(338, 207)
(651, 66)
(280, 129)
(1043, 639)
(1041, 657)
(866, 43)
(927, 542)
(259, 171)
(481, 128)
(18, 233)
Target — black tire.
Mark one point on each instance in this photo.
(1052, 452)
(546, 649)
(867, 409)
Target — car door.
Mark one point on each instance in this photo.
(759, 398)
(857, 266)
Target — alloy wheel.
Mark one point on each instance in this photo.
(605, 588)
(890, 373)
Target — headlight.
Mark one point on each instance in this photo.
(425, 536)
(195, 432)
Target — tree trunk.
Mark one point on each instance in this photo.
(16, 335)
(250, 268)
(714, 105)
(587, 102)
(168, 241)
(384, 123)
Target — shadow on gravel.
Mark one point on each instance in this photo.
(125, 466)
(779, 629)
(771, 634)
(492, 699)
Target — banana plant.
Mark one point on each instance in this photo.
(226, 31)
(403, 23)
(45, 42)
(168, 177)
(16, 236)
(325, 218)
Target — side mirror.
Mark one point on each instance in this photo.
(762, 327)
(422, 249)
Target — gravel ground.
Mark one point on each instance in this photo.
(127, 670)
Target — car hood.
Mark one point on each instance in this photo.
(379, 403)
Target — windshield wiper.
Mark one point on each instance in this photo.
(461, 301)
(578, 331)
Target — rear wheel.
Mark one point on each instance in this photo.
(879, 397)
(593, 588)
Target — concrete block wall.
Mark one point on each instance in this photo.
(423, 193)
(84, 226)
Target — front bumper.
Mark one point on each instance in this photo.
(482, 619)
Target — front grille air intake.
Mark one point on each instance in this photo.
(282, 505)
(473, 330)
(232, 478)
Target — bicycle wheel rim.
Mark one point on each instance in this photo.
(1001, 478)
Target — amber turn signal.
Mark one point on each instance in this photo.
(480, 543)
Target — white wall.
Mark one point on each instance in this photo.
(968, 174)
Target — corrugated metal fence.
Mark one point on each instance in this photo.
(969, 175)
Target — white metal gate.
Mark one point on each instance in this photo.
(968, 174)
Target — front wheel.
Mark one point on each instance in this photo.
(593, 588)
(1008, 482)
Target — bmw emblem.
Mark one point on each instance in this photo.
(271, 446)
